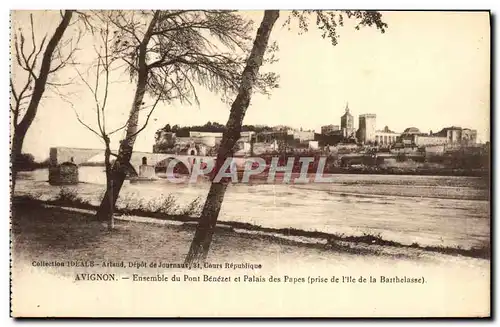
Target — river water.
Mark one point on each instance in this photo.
(429, 210)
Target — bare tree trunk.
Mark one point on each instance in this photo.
(200, 246)
(127, 145)
(15, 151)
(39, 88)
(109, 182)
(119, 171)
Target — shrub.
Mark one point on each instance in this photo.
(128, 201)
(67, 195)
(167, 205)
(132, 202)
(194, 208)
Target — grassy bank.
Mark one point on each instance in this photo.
(57, 234)
(165, 208)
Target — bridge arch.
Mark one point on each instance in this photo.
(181, 167)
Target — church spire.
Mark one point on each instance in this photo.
(347, 107)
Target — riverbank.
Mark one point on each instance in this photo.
(50, 232)
(431, 211)
(411, 171)
(366, 243)
(41, 234)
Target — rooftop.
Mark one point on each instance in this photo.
(411, 130)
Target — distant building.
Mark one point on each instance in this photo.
(407, 138)
(347, 123)
(204, 134)
(414, 138)
(458, 135)
(328, 129)
(386, 136)
(246, 136)
(261, 147)
(191, 146)
(243, 148)
(271, 136)
(447, 136)
(367, 125)
(303, 136)
(426, 140)
(411, 131)
(313, 145)
(469, 136)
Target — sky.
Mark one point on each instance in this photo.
(429, 70)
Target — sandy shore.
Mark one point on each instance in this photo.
(449, 285)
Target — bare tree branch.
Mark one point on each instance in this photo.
(147, 117)
(118, 129)
(28, 61)
(82, 122)
(94, 94)
(147, 120)
(106, 65)
(101, 69)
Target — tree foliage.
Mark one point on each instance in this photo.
(329, 22)
(213, 127)
(187, 49)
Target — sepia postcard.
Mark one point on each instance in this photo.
(274, 163)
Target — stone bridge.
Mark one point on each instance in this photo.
(79, 156)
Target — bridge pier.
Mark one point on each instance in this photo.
(145, 170)
(63, 167)
(63, 174)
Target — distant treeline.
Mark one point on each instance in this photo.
(26, 162)
(93, 164)
(214, 127)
